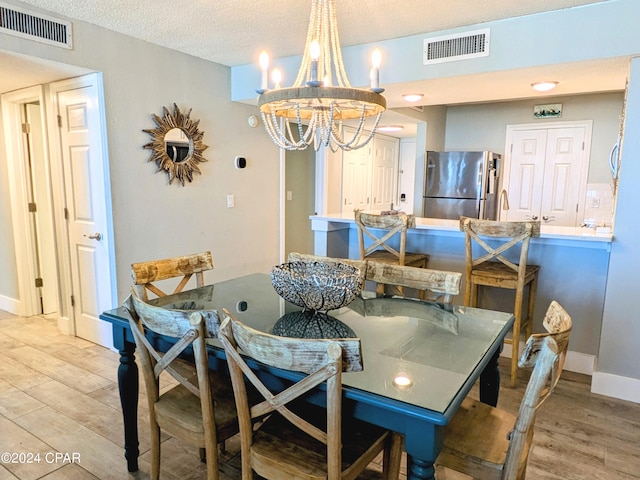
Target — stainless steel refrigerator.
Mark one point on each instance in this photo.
(461, 184)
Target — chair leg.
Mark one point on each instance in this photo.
(467, 293)
(155, 451)
(392, 459)
(533, 286)
(515, 337)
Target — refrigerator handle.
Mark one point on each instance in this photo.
(479, 193)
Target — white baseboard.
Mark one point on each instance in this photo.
(611, 385)
(575, 361)
(10, 305)
(64, 325)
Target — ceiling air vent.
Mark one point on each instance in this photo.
(34, 26)
(448, 48)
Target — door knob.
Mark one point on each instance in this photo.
(95, 236)
(534, 217)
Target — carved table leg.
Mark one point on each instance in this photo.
(490, 381)
(418, 469)
(128, 386)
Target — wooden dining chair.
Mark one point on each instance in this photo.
(488, 443)
(145, 273)
(298, 440)
(382, 231)
(433, 285)
(504, 266)
(200, 408)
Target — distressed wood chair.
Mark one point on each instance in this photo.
(491, 267)
(381, 230)
(490, 444)
(434, 285)
(298, 440)
(145, 273)
(200, 409)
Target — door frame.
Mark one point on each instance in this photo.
(586, 152)
(23, 229)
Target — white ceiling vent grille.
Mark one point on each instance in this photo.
(448, 48)
(34, 26)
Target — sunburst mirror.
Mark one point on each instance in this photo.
(177, 144)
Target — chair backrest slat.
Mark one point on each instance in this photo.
(391, 225)
(145, 273)
(439, 282)
(306, 257)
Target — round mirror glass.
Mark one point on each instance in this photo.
(178, 145)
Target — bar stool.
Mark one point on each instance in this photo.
(380, 250)
(491, 268)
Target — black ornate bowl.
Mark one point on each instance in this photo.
(310, 324)
(317, 286)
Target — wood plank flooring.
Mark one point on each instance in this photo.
(59, 394)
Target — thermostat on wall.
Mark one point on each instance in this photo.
(241, 162)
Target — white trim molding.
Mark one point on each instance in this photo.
(10, 305)
(624, 388)
(575, 362)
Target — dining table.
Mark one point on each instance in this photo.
(421, 359)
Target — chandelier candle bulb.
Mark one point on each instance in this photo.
(276, 76)
(264, 65)
(376, 58)
(314, 51)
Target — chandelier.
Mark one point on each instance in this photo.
(321, 96)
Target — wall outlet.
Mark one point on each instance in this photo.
(231, 200)
(289, 195)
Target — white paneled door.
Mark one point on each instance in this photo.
(87, 204)
(385, 173)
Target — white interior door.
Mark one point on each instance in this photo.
(88, 206)
(44, 241)
(407, 174)
(356, 169)
(561, 191)
(526, 175)
(384, 175)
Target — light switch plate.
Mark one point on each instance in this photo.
(231, 200)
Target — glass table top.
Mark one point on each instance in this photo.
(417, 352)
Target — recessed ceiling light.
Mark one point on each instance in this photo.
(390, 128)
(412, 97)
(544, 86)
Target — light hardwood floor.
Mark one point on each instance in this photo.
(59, 394)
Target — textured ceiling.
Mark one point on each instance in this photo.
(233, 32)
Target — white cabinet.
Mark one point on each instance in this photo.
(370, 176)
(545, 172)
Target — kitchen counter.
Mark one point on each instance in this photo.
(573, 270)
(442, 226)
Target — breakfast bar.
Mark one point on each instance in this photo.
(574, 263)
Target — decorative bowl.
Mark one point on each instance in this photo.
(309, 324)
(317, 286)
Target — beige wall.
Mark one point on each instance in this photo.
(151, 218)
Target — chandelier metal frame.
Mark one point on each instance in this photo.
(321, 96)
